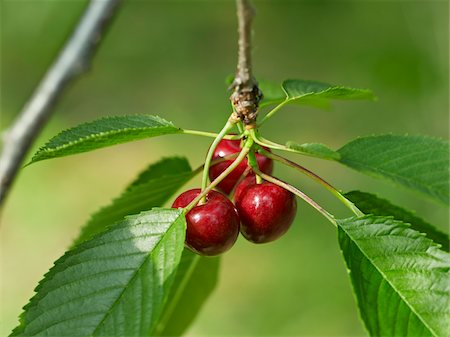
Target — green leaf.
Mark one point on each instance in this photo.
(417, 162)
(164, 167)
(272, 93)
(400, 278)
(315, 150)
(102, 133)
(371, 204)
(153, 187)
(196, 276)
(318, 93)
(112, 285)
(313, 93)
(195, 280)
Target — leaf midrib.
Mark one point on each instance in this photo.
(94, 275)
(317, 93)
(391, 285)
(134, 275)
(104, 134)
(377, 171)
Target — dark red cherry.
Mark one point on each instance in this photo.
(266, 210)
(228, 147)
(213, 227)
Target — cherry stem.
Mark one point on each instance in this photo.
(240, 127)
(297, 192)
(252, 162)
(315, 177)
(242, 177)
(248, 144)
(272, 112)
(228, 125)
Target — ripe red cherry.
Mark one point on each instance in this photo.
(266, 210)
(228, 147)
(213, 227)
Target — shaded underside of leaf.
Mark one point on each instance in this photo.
(153, 187)
(401, 279)
(297, 90)
(163, 167)
(102, 133)
(418, 162)
(315, 150)
(272, 93)
(371, 204)
(195, 280)
(112, 285)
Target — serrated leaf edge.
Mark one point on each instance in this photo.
(334, 155)
(433, 245)
(125, 192)
(412, 213)
(171, 228)
(331, 87)
(70, 252)
(369, 171)
(48, 150)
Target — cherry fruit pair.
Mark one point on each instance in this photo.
(261, 212)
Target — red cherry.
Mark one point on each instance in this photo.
(228, 147)
(266, 210)
(213, 227)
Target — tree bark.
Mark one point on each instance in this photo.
(246, 95)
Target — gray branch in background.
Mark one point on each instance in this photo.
(73, 60)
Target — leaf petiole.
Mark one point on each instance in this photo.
(273, 111)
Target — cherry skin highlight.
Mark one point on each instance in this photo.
(266, 210)
(213, 227)
(228, 147)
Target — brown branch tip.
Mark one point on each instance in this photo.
(246, 95)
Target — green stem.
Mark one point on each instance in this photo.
(315, 177)
(242, 177)
(210, 134)
(252, 162)
(211, 150)
(240, 127)
(248, 144)
(299, 193)
(272, 112)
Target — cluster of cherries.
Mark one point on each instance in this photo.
(261, 212)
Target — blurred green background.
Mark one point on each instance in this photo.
(171, 58)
